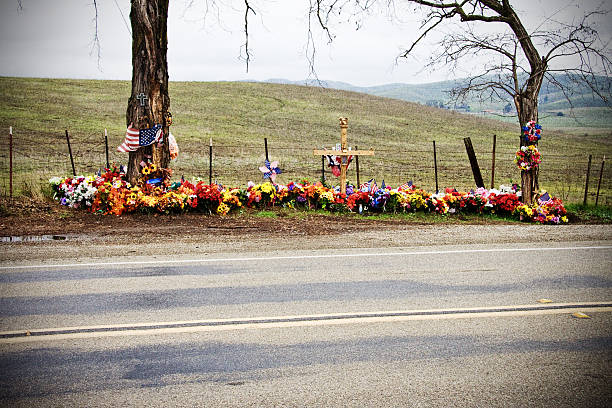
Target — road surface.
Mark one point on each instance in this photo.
(403, 326)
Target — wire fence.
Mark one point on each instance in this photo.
(563, 175)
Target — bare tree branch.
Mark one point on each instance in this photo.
(95, 46)
(247, 51)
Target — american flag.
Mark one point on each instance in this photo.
(405, 186)
(373, 187)
(544, 198)
(135, 138)
(365, 187)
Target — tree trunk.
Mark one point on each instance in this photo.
(149, 20)
(527, 109)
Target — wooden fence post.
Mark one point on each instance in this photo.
(70, 152)
(493, 163)
(600, 177)
(210, 157)
(322, 169)
(357, 168)
(435, 165)
(106, 147)
(473, 162)
(586, 184)
(11, 162)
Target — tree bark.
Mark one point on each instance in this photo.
(526, 103)
(149, 20)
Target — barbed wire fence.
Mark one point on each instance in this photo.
(562, 175)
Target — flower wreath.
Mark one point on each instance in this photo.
(528, 157)
(532, 132)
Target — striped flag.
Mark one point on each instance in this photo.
(405, 186)
(365, 187)
(544, 198)
(135, 138)
(373, 187)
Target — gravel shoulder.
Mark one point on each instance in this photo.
(87, 237)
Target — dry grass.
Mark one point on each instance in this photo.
(294, 119)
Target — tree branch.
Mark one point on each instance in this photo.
(247, 51)
(96, 40)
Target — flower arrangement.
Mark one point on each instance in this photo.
(74, 192)
(532, 132)
(528, 157)
(109, 193)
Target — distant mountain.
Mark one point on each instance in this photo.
(437, 93)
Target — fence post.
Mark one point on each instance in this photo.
(322, 169)
(435, 165)
(266, 147)
(586, 184)
(210, 157)
(357, 168)
(106, 146)
(11, 162)
(493, 163)
(70, 152)
(473, 162)
(600, 176)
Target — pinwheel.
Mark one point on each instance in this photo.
(270, 170)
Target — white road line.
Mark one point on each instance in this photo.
(299, 257)
(257, 323)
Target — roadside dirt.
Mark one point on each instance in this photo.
(47, 231)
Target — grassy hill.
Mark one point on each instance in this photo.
(589, 114)
(294, 119)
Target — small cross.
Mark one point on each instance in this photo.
(344, 152)
(142, 98)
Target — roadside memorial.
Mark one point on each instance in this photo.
(344, 153)
(110, 192)
(528, 158)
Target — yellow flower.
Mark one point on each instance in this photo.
(267, 188)
(328, 195)
(153, 168)
(146, 171)
(223, 209)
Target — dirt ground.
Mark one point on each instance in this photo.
(49, 218)
(47, 231)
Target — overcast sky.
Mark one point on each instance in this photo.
(53, 38)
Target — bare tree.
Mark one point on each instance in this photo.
(149, 21)
(149, 101)
(518, 60)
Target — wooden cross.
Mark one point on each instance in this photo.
(142, 98)
(344, 152)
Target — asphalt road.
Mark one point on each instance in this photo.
(410, 326)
